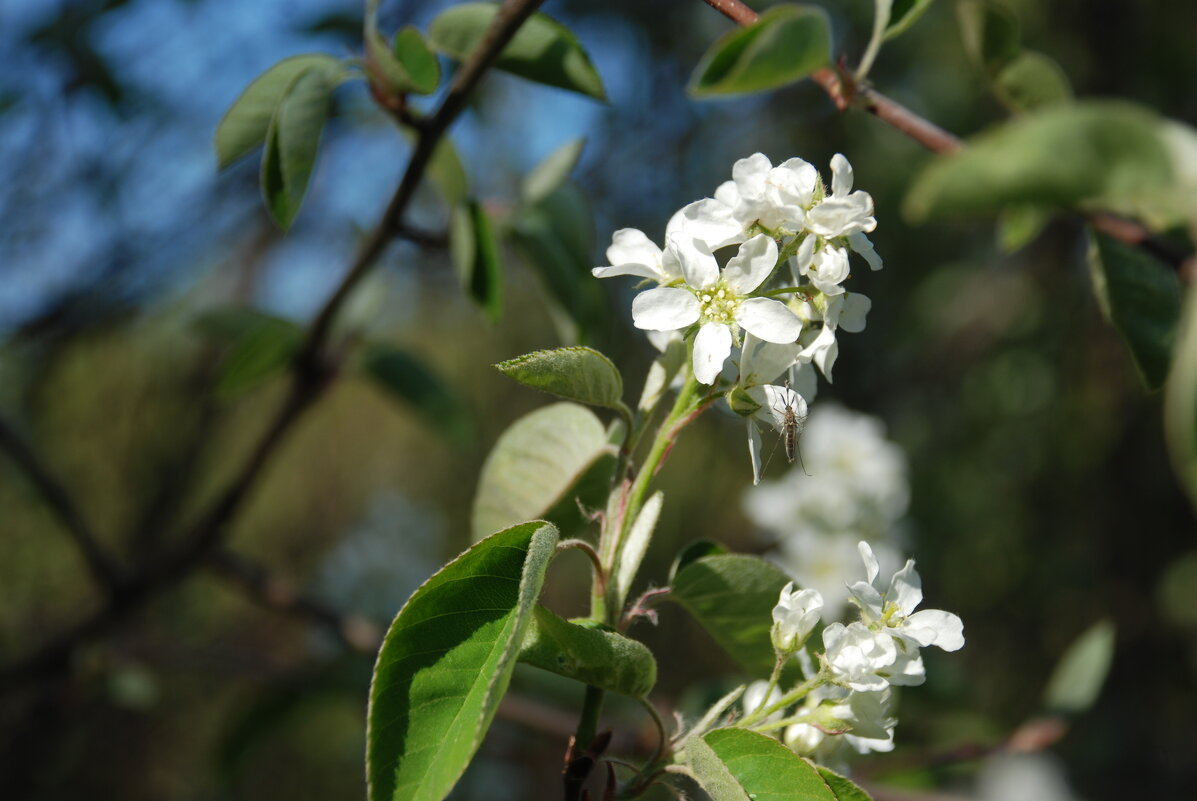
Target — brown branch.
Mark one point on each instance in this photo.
(845, 93)
(309, 378)
(102, 566)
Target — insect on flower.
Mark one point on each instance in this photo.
(789, 429)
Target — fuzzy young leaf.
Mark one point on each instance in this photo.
(246, 123)
(787, 43)
(578, 373)
(446, 662)
(542, 50)
(476, 254)
(737, 764)
(590, 653)
(1032, 81)
(292, 143)
(633, 551)
(1081, 672)
(1141, 298)
(1180, 401)
(260, 345)
(904, 14)
(405, 377)
(550, 173)
(537, 465)
(732, 596)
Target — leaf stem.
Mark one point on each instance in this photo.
(881, 15)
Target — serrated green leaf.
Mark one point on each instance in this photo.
(904, 14)
(405, 377)
(1032, 81)
(476, 253)
(1081, 672)
(990, 32)
(1180, 399)
(1141, 297)
(246, 123)
(743, 764)
(446, 662)
(292, 143)
(1086, 155)
(542, 50)
(260, 345)
(550, 173)
(590, 653)
(787, 43)
(536, 465)
(732, 596)
(576, 373)
(1019, 225)
(412, 51)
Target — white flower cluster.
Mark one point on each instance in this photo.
(854, 488)
(860, 661)
(780, 320)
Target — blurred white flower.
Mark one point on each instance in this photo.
(1023, 777)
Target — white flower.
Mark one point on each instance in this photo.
(825, 267)
(858, 656)
(843, 212)
(774, 198)
(872, 721)
(754, 699)
(718, 301)
(794, 617)
(804, 738)
(633, 253)
(846, 311)
(820, 559)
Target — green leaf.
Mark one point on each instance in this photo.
(578, 373)
(590, 653)
(787, 43)
(1089, 155)
(1032, 81)
(446, 662)
(447, 174)
(1140, 296)
(841, 786)
(693, 552)
(904, 14)
(260, 345)
(552, 171)
(1018, 226)
(246, 123)
(535, 465)
(405, 377)
(418, 60)
(542, 50)
(291, 144)
(1082, 670)
(633, 550)
(732, 596)
(740, 764)
(476, 254)
(990, 33)
(1180, 399)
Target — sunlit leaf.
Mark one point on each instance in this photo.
(787, 43)
(292, 143)
(1082, 670)
(542, 50)
(590, 653)
(738, 764)
(446, 662)
(578, 373)
(550, 173)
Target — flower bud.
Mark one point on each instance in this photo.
(794, 617)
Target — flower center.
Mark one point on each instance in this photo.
(718, 304)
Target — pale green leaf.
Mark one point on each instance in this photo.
(1141, 297)
(446, 662)
(1180, 400)
(476, 253)
(246, 123)
(578, 373)
(633, 550)
(590, 653)
(292, 143)
(1081, 672)
(787, 43)
(1032, 81)
(550, 173)
(542, 50)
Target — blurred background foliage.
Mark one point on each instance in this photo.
(1042, 497)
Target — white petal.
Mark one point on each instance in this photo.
(761, 361)
(751, 265)
(870, 600)
(870, 561)
(804, 257)
(750, 174)
(829, 270)
(822, 351)
(662, 339)
(862, 245)
(698, 265)
(906, 588)
(852, 314)
(907, 669)
(841, 175)
(805, 381)
(632, 246)
(795, 180)
(842, 216)
(754, 450)
(709, 220)
(728, 194)
(774, 401)
(712, 346)
(664, 309)
(935, 627)
(768, 319)
(641, 270)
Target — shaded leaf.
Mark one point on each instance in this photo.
(550, 173)
(246, 123)
(412, 51)
(577, 373)
(447, 174)
(535, 465)
(476, 254)
(786, 43)
(732, 596)
(743, 764)
(1080, 673)
(1140, 296)
(260, 345)
(1018, 226)
(292, 143)
(693, 552)
(589, 652)
(405, 377)
(990, 33)
(904, 14)
(446, 662)
(542, 50)
(1032, 81)
(1180, 400)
